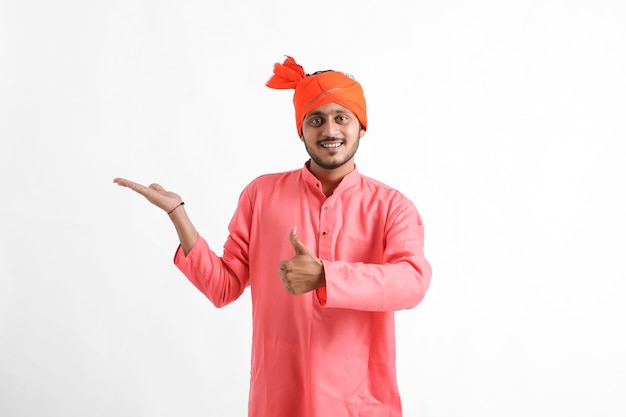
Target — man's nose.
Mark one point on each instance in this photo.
(330, 129)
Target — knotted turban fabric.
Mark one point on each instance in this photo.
(318, 89)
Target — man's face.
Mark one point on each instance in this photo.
(331, 135)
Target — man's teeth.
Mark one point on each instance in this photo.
(331, 145)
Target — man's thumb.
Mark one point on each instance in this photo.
(297, 245)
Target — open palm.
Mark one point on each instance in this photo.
(154, 193)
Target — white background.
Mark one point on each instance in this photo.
(502, 120)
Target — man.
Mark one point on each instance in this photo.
(329, 255)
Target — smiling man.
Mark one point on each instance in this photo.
(328, 253)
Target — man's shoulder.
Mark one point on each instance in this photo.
(379, 186)
(271, 180)
(380, 191)
(374, 183)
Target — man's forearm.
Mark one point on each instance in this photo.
(187, 234)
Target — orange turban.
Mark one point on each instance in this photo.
(317, 89)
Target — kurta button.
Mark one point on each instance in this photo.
(325, 208)
(317, 184)
(324, 233)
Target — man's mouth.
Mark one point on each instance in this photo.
(330, 145)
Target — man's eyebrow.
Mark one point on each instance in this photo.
(321, 113)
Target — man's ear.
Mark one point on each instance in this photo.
(361, 132)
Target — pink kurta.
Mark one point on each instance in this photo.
(331, 352)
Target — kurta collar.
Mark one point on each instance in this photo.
(348, 181)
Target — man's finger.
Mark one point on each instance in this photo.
(123, 182)
(156, 187)
(297, 245)
(141, 189)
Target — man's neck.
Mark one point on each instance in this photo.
(330, 178)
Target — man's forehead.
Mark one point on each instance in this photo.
(328, 109)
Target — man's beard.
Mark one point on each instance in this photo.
(335, 163)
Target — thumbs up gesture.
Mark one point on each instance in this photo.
(302, 273)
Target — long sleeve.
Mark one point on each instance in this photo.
(221, 279)
(398, 282)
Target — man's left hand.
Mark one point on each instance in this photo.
(302, 273)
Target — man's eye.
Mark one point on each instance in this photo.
(315, 121)
(342, 118)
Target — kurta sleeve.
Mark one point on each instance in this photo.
(221, 279)
(399, 282)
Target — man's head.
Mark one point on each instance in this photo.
(317, 89)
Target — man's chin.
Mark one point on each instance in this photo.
(329, 163)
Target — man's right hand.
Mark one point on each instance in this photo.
(170, 202)
(154, 193)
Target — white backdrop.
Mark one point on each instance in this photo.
(502, 120)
